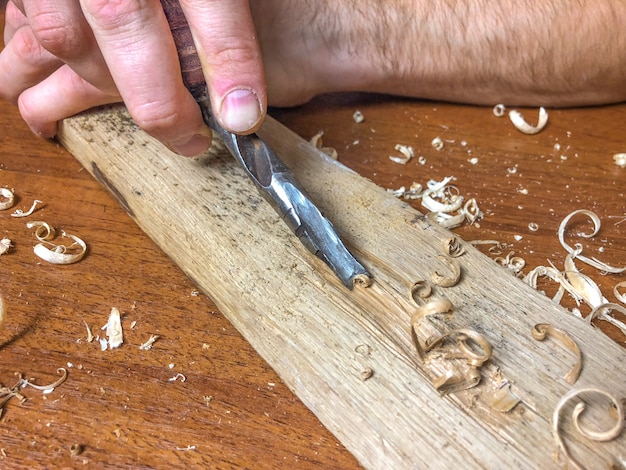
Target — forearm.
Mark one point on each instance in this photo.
(558, 53)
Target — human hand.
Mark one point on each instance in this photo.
(62, 57)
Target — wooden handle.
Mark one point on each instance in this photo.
(190, 65)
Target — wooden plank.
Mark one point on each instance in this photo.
(320, 337)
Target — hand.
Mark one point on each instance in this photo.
(63, 57)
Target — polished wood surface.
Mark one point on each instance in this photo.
(232, 410)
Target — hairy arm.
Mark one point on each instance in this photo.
(556, 53)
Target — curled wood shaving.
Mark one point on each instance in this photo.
(443, 281)
(514, 263)
(602, 311)
(441, 190)
(58, 254)
(433, 307)
(620, 159)
(617, 294)
(521, 125)
(7, 199)
(421, 290)
(542, 330)
(448, 221)
(584, 286)
(6, 393)
(555, 275)
(43, 232)
(471, 211)
(45, 388)
(21, 213)
(407, 154)
(499, 110)
(455, 380)
(453, 248)
(590, 261)
(579, 408)
(437, 143)
(464, 337)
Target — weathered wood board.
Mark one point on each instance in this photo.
(321, 338)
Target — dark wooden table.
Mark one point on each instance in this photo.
(123, 409)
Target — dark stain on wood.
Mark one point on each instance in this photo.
(104, 181)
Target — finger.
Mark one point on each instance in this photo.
(62, 29)
(137, 45)
(14, 19)
(231, 58)
(61, 95)
(23, 63)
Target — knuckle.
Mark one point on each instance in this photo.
(235, 54)
(157, 118)
(25, 44)
(112, 15)
(60, 38)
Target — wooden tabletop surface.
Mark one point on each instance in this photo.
(202, 396)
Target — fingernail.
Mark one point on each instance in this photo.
(191, 146)
(240, 110)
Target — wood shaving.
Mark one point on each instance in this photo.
(407, 154)
(59, 254)
(176, 377)
(455, 379)
(471, 211)
(6, 393)
(579, 408)
(603, 311)
(453, 248)
(21, 213)
(435, 306)
(421, 290)
(513, 263)
(503, 399)
(43, 231)
(317, 142)
(450, 281)
(358, 117)
(542, 330)
(113, 329)
(5, 245)
(441, 190)
(499, 110)
(76, 449)
(7, 199)
(620, 159)
(578, 248)
(89, 333)
(148, 344)
(585, 287)
(521, 125)
(437, 143)
(617, 294)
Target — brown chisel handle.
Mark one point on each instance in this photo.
(189, 61)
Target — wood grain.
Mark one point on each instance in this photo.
(282, 299)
